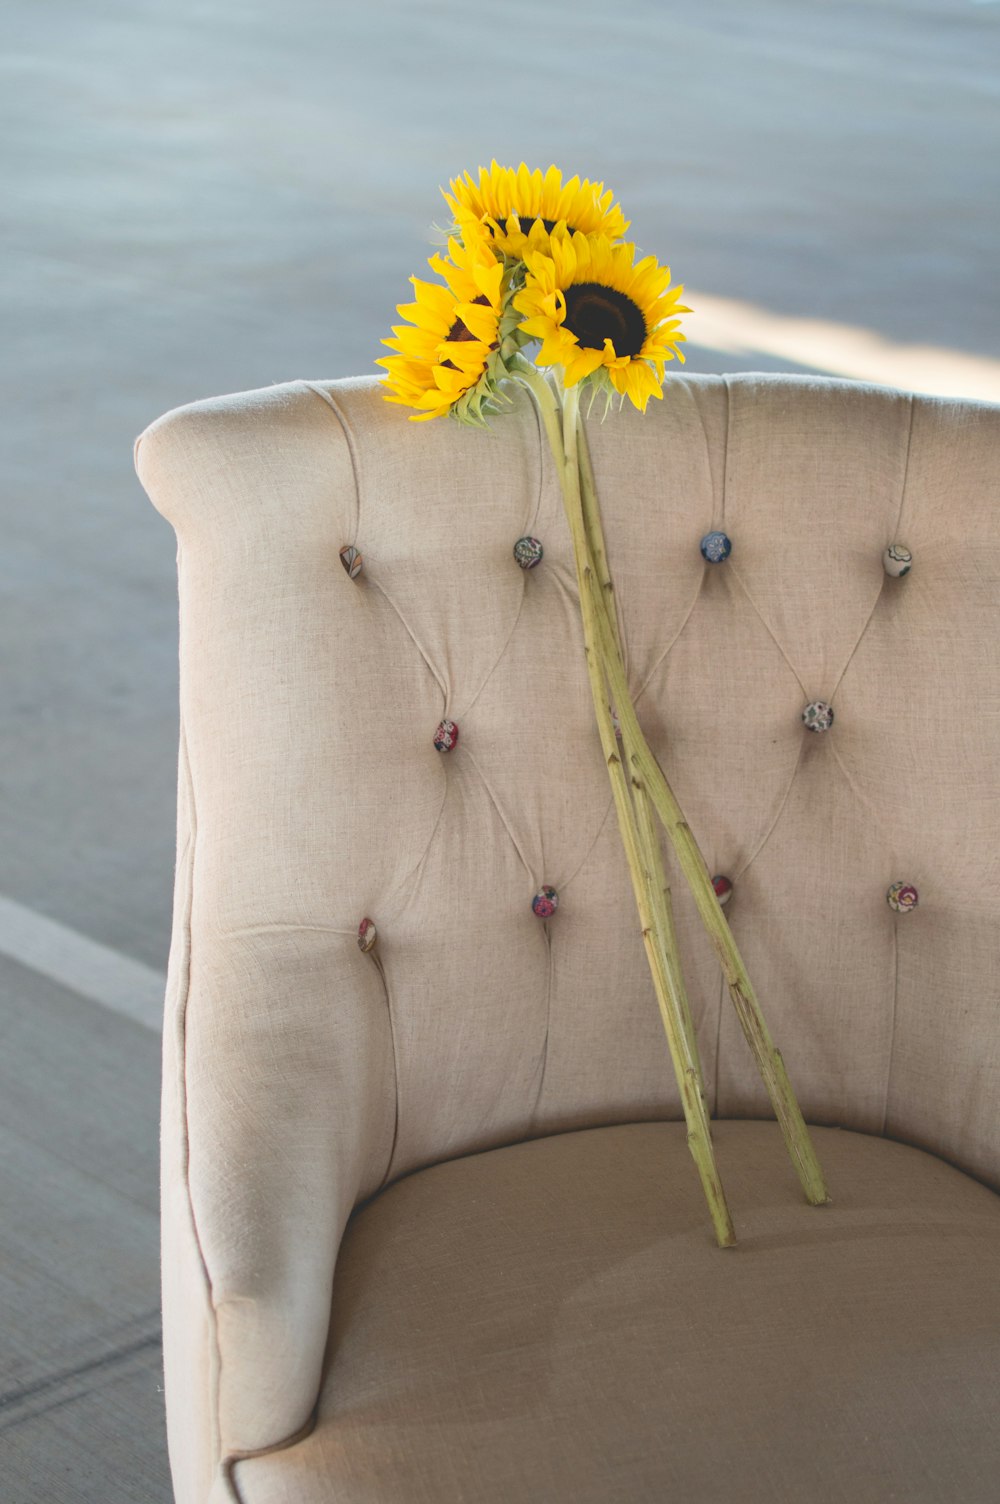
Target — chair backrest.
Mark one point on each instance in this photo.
(302, 1074)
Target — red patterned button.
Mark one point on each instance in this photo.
(446, 736)
(545, 902)
(367, 935)
(723, 888)
(902, 897)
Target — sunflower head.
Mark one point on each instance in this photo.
(448, 352)
(521, 209)
(602, 315)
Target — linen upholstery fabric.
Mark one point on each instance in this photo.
(300, 1075)
(547, 1322)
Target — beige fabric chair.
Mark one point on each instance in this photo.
(521, 1311)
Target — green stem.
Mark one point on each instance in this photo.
(640, 843)
(598, 554)
(649, 782)
(769, 1059)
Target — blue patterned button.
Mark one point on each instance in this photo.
(352, 561)
(818, 716)
(446, 736)
(897, 560)
(715, 548)
(528, 552)
(545, 902)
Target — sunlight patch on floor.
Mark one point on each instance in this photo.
(736, 328)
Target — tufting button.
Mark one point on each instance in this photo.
(902, 897)
(545, 902)
(352, 561)
(723, 889)
(715, 548)
(818, 715)
(446, 736)
(367, 935)
(897, 560)
(528, 552)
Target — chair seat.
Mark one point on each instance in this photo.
(552, 1321)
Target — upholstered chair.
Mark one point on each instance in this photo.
(431, 1232)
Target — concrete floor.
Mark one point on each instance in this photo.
(211, 195)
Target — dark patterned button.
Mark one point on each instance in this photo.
(897, 560)
(723, 889)
(352, 561)
(818, 716)
(545, 902)
(715, 548)
(367, 935)
(528, 552)
(902, 897)
(446, 736)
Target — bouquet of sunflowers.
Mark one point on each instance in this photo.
(538, 265)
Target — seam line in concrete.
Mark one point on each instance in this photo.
(119, 983)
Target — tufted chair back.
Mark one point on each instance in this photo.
(301, 1074)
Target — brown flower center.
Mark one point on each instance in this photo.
(525, 222)
(595, 313)
(460, 331)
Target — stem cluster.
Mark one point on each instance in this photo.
(641, 791)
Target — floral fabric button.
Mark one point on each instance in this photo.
(367, 935)
(545, 902)
(715, 547)
(352, 561)
(528, 552)
(902, 897)
(723, 889)
(818, 716)
(897, 560)
(446, 736)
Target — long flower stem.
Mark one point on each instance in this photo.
(769, 1059)
(640, 842)
(599, 558)
(648, 783)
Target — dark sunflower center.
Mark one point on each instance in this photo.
(459, 331)
(595, 313)
(525, 222)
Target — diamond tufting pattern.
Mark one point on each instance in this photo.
(302, 1073)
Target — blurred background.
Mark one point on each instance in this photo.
(206, 196)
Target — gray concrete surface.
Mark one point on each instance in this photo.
(209, 195)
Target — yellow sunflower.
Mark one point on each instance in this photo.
(599, 313)
(448, 351)
(521, 209)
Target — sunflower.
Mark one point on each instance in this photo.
(521, 209)
(601, 314)
(449, 350)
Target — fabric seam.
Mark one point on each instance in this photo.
(180, 1027)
